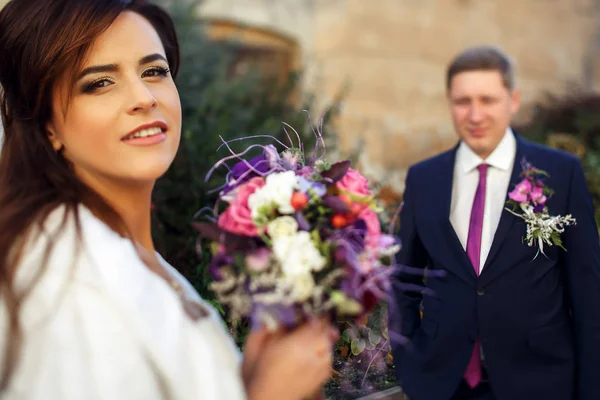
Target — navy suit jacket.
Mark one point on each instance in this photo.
(538, 320)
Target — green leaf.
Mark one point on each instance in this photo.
(556, 239)
(541, 172)
(347, 335)
(374, 338)
(357, 346)
(513, 204)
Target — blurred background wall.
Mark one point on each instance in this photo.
(391, 57)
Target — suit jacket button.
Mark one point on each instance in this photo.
(480, 291)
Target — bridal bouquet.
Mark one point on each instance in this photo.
(530, 196)
(298, 238)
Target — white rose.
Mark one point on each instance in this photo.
(280, 187)
(302, 286)
(282, 226)
(297, 254)
(257, 201)
(276, 193)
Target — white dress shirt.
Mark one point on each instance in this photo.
(102, 326)
(466, 179)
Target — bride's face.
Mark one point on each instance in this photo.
(121, 120)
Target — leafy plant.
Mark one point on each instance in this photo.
(364, 361)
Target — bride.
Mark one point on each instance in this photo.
(88, 309)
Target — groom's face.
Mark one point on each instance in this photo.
(482, 108)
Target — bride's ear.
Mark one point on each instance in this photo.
(57, 145)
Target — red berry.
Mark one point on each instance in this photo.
(339, 221)
(299, 201)
(350, 218)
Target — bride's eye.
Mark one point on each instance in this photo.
(97, 84)
(155, 72)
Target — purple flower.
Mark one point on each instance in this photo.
(386, 241)
(302, 222)
(271, 155)
(244, 170)
(349, 242)
(291, 160)
(305, 185)
(219, 260)
(352, 237)
(526, 166)
(284, 315)
(259, 260)
(360, 227)
(340, 254)
(259, 163)
(336, 204)
(305, 172)
(352, 281)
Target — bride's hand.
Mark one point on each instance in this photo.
(289, 365)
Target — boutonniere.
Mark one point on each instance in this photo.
(529, 197)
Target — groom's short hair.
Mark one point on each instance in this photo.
(482, 58)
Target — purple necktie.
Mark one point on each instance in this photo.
(473, 372)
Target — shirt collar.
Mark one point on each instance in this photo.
(502, 157)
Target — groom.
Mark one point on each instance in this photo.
(501, 323)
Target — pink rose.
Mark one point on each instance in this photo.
(537, 196)
(237, 218)
(521, 191)
(373, 227)
(354, 182)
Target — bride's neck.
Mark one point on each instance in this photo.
(132, 203)
(135, 211)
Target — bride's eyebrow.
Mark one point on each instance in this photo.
(151, 58)
(97, 69)
(114, 67)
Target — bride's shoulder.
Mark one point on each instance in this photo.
(71, 227)
(71, 237)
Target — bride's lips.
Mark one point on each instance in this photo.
(147, 134)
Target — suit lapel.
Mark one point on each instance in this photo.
(463, 266)
(491, 270)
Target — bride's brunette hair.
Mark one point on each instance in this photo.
(43, 44)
